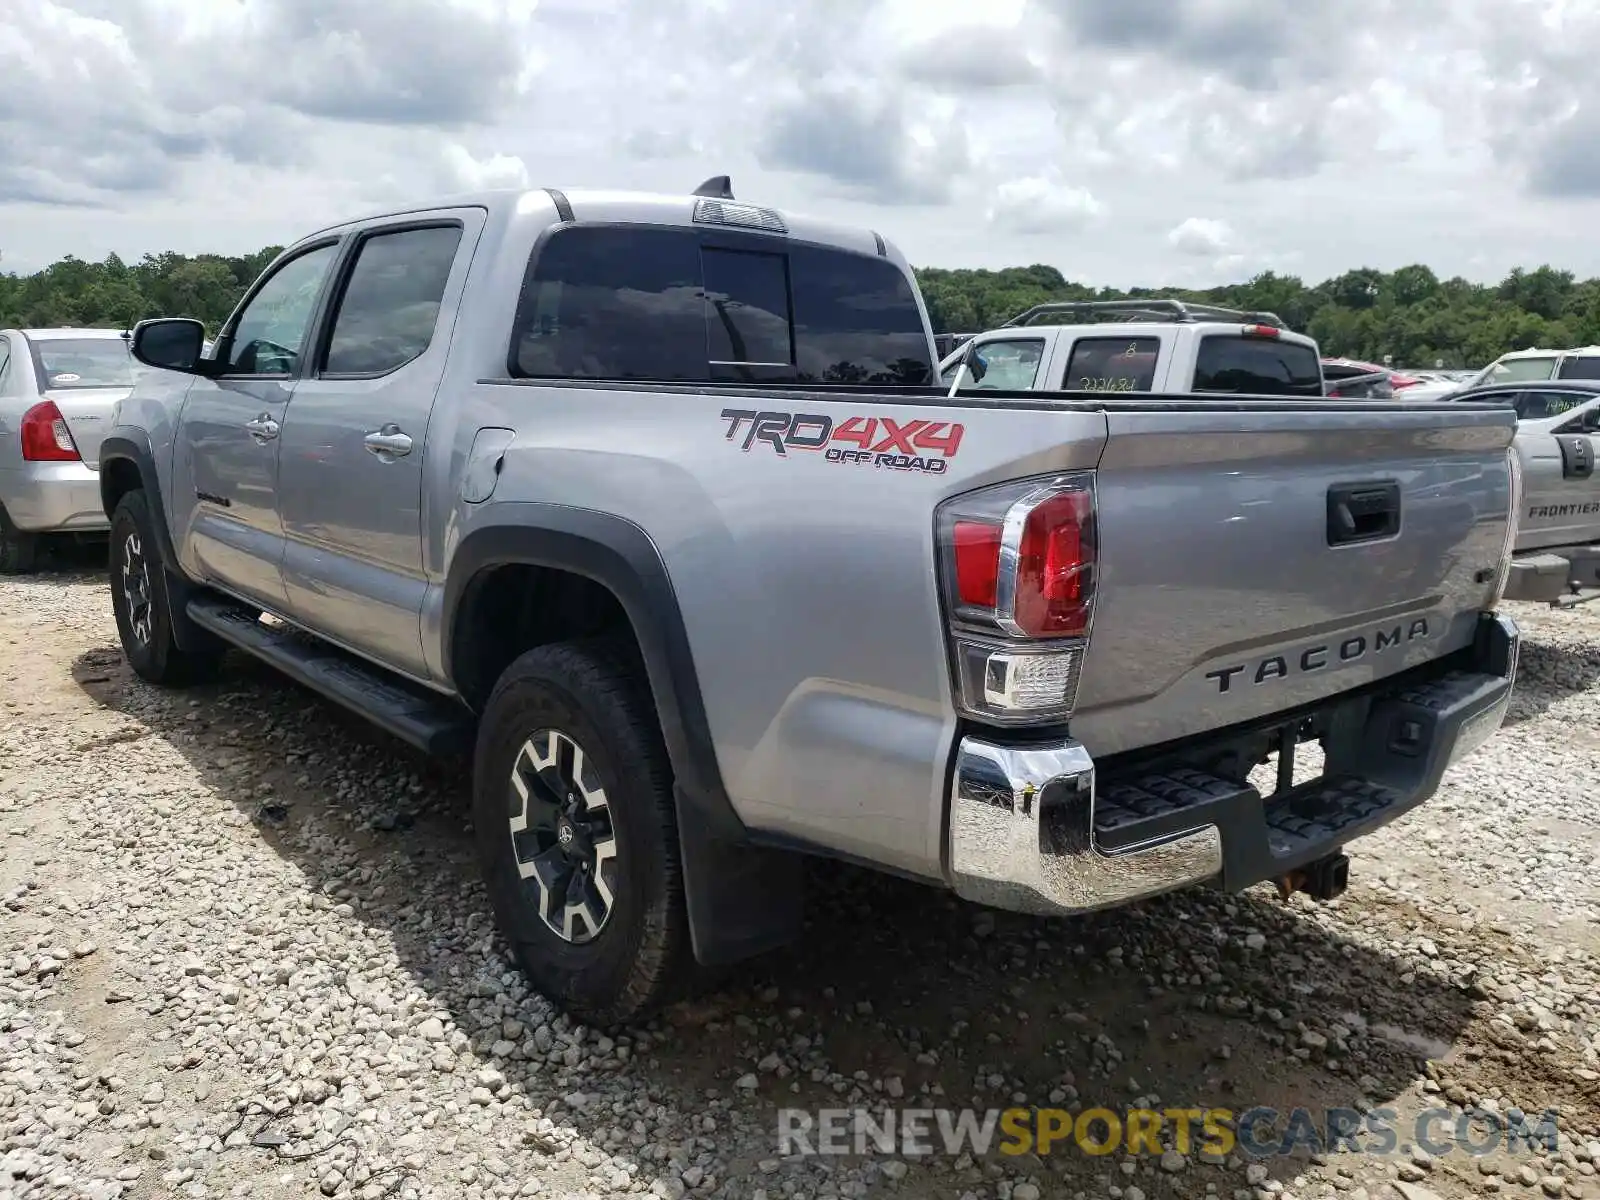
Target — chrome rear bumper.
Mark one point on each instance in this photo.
(1025, 832)
(1022, 835)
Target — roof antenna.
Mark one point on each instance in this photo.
(718, 187)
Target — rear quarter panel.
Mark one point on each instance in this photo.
(807, 586)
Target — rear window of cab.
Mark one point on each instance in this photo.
(643, 302)
(1257, 366)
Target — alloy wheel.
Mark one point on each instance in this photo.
(561, 835)
(136, 588)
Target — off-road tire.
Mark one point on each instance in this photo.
(593, 692)
(146, 631)
(19, 551)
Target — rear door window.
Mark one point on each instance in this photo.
(390, 306)
(1536, 406)
(613, 303)
(1112, 364)
(1583, 366)
(1256, 366)
(652, 303)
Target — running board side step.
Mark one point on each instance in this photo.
(424, 719)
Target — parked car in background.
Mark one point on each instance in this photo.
(654, 502)
(1128, 346)
(57, 390)
(1556, 556)
(1354, 377)
(1451, 378)
(1525, 366)
(1426, 385)
(1357, 380)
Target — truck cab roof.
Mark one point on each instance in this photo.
(622, 207)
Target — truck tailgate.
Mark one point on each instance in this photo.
(1560, 490)
(1255, 557)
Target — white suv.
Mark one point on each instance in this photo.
(1138, 346)
(1536, 366)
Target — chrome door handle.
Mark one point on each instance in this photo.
(388, 442)
(263, 428)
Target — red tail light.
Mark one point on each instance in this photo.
(1019, 570)
(977, 561)
(1053, 566)
(1266, 331)
(45, 436)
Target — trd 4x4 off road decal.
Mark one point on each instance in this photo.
(899, 445)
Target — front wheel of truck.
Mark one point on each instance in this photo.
(577, 832)
(139, 601)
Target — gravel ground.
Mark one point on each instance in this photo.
(243, 952)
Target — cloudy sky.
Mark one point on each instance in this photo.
(1123, 141)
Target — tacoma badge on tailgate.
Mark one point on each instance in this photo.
(1317, 658)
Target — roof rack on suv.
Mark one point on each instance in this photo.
(1154, 309)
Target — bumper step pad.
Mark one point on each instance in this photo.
(1262, 839)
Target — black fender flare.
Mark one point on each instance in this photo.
(131, 444)
(619, 556)
(741, 899)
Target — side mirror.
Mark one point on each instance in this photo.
(976, 367)
(171, 344)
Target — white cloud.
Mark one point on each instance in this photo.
(1341, 134)
(975, 56)
(865, 142)
(1201, 237)
(1041, 206)
(464, 173)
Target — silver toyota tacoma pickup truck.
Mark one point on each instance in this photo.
(656, 507)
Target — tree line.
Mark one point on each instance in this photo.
(1410, 313)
